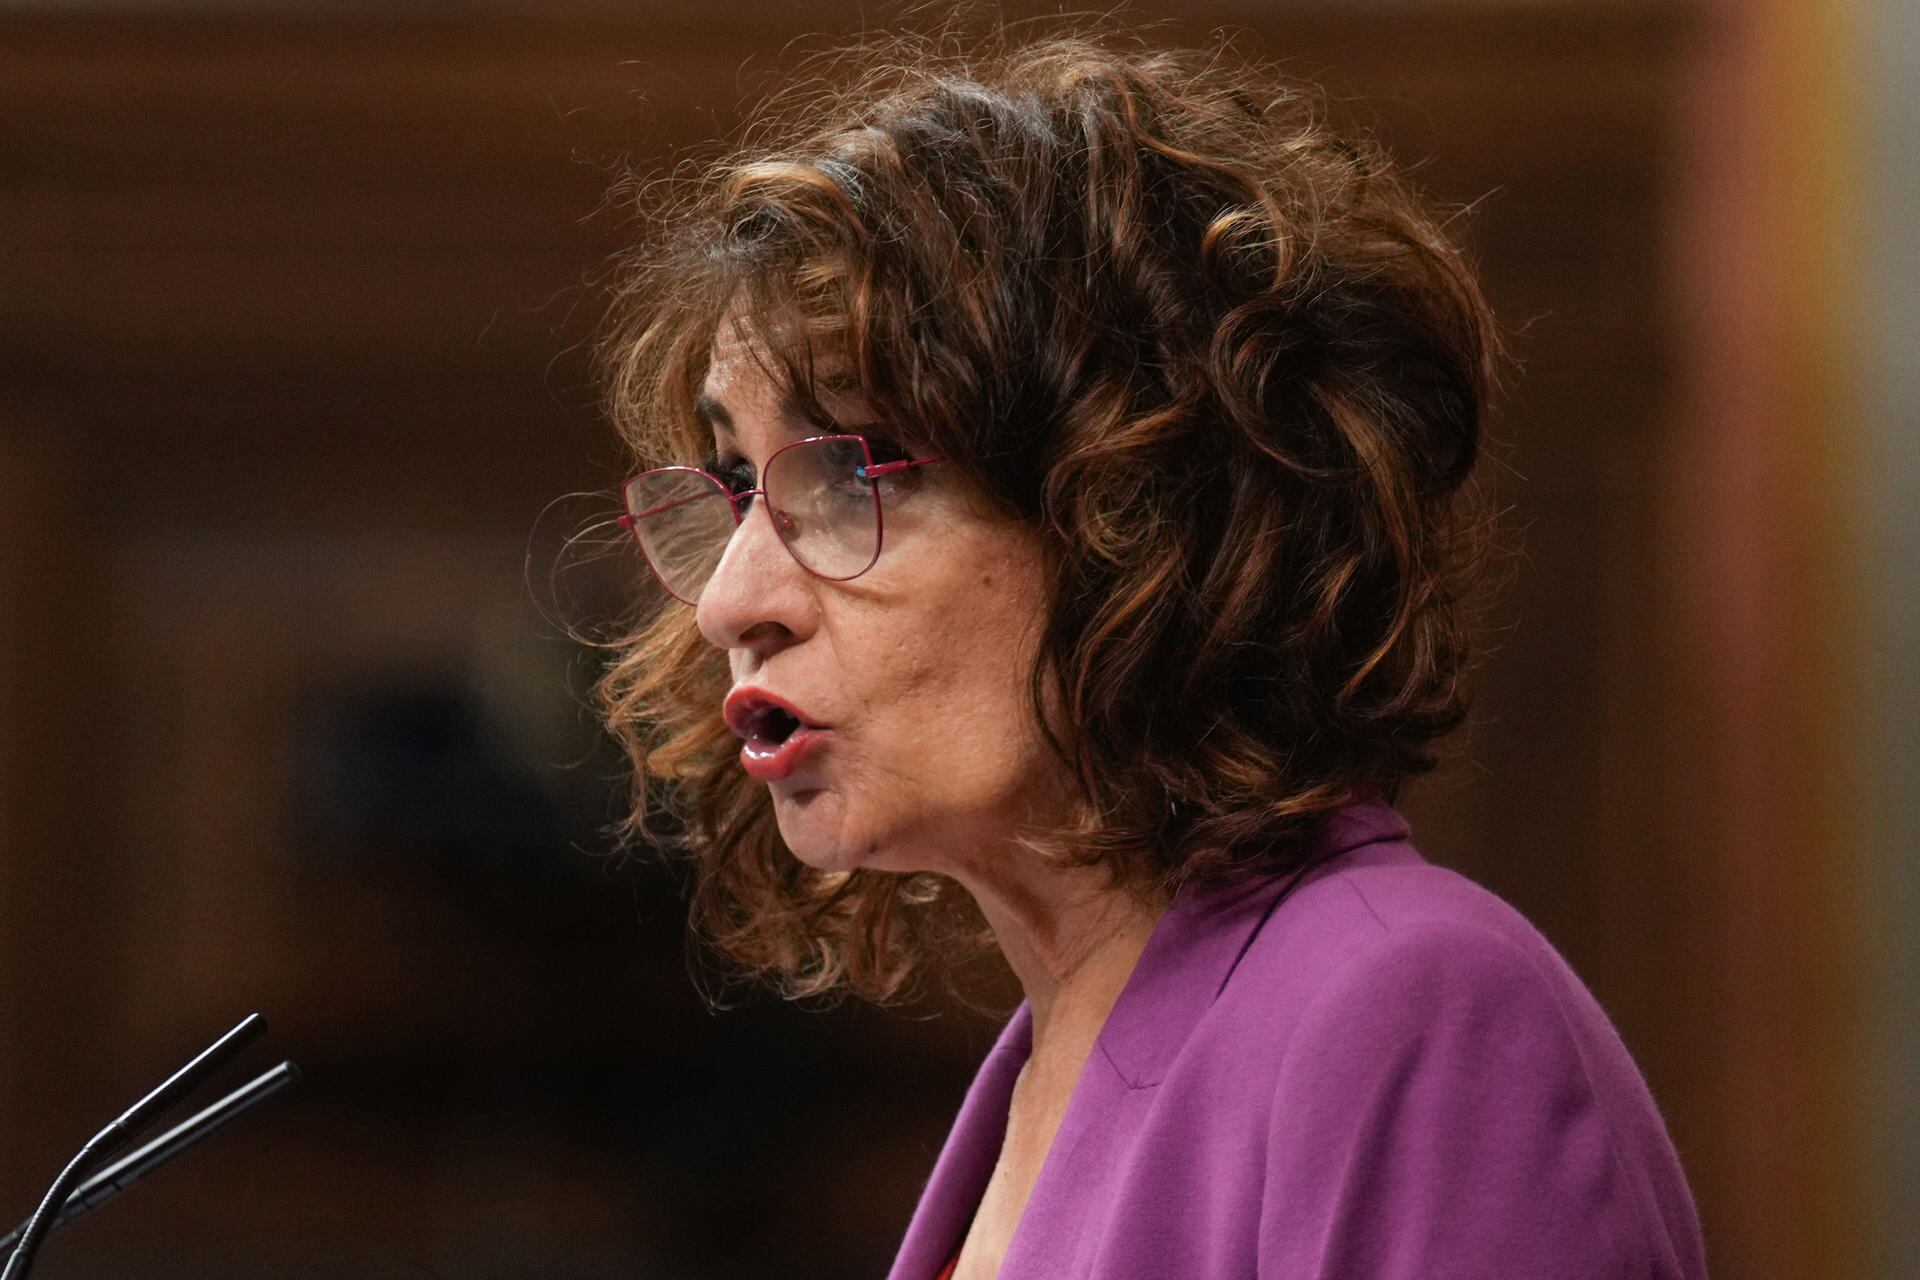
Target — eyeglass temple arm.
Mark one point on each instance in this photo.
(886, 469)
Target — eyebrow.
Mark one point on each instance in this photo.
(795, 415)
(712, 414)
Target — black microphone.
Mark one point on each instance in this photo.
(129, 1169)
(131, 1123)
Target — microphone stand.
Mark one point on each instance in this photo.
(63, 1202)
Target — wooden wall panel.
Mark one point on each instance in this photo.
(1761, 629)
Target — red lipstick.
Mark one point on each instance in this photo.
(776, 735)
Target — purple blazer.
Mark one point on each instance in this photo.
(1385, 1072)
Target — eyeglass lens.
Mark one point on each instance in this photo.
(825, 512)
(683, 519)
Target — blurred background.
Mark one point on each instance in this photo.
(293, 305)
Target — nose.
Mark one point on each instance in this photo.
(758, 597)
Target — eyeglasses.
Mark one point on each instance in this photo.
(822, 493)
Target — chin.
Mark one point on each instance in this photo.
(816, 832)
(810, 825)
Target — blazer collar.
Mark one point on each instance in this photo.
(1199, 939)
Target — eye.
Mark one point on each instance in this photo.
(734, 472)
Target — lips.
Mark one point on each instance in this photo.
(776, 736)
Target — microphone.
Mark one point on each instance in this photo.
(63, 1202)
(128, 1169)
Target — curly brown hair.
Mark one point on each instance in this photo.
(1222, 357)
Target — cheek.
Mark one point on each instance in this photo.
(966, 696)
(947, 757)
(929, 697)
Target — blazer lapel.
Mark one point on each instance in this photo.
(1197, 942)
(966, 1162)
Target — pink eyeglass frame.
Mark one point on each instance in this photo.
(630, 521)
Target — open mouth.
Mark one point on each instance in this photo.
(772, 726)
(775, 737)
(776, 742)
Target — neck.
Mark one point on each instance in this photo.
(1072, 941)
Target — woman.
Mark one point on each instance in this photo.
(1078, 566)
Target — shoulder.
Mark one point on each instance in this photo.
(1387, 891)
(1389, 936)
(1389, 964)
(1429, 1058)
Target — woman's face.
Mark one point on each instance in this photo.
(917, 669)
